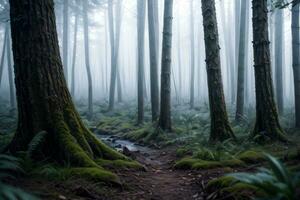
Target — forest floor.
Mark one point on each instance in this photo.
(178, 165)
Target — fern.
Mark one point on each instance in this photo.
(276, 183)
(9, 167)
(35, 144)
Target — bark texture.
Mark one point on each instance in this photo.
(267, 122)
(44, 102)
(165, 93)
(296, 60)
(220, 128)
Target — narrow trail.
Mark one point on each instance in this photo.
(160, 181)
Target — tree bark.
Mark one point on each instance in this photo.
(279, 58)
(44, 102)
(87, 58)
(296, 60)
(153, 60)
(141, 6)
(241, 64)
(267, 122)
(165, 93)
(220, 128)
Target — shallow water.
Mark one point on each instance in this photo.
(119, 144)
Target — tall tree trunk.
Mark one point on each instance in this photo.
(241, 64)
(267, 122)
(113, 73)
(87, 58)
(192, 83)
(296, 60)
(10, 71)
(44, 102)
(74, 53)
(141, 6)
(220, 128)
(179, 58)
(66, 37)
(279, 58)
(153, 60)
(117, 47)
(3, 52)
(165, 92)
(106, 52)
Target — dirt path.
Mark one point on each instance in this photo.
(160, 181)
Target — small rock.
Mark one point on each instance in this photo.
(62, 197)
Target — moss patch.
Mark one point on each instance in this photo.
(251, 156)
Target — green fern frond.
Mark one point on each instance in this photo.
(35, 144)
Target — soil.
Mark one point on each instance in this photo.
(159, 181)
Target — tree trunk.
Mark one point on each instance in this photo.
(10, 71)
(153, 60)
(87, 58)
(192, 83)
(165, 93)
(44, 102)
(241, 64)
(179, 59)
(117, 47)
(267, 122)
(3, 52)
(141, 5)
(113, 73)
(74, 54)
(66, 37)
(220, 128)
(279, 58)
(296, 60)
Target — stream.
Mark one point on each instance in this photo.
(119, 144)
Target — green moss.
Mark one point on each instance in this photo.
(119, 164)
(94, 174)
(221, 182)
(202, 164)
(180, 152)
(251, 156)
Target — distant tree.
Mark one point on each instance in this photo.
(3, 53)
(76, 16)
(241, 63)
(44, 102)
(296, 59)
(165, 92)
(192, 77)
(87, 58)
(10, 68)
(267, 122)
(278, 46)
(65, 37)
(117, 47)
(220, 127)
(153, 60)
(141, 6)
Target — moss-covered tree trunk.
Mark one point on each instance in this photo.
(220, 128)
(165, 92)
(44, 102)
(267, 122)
